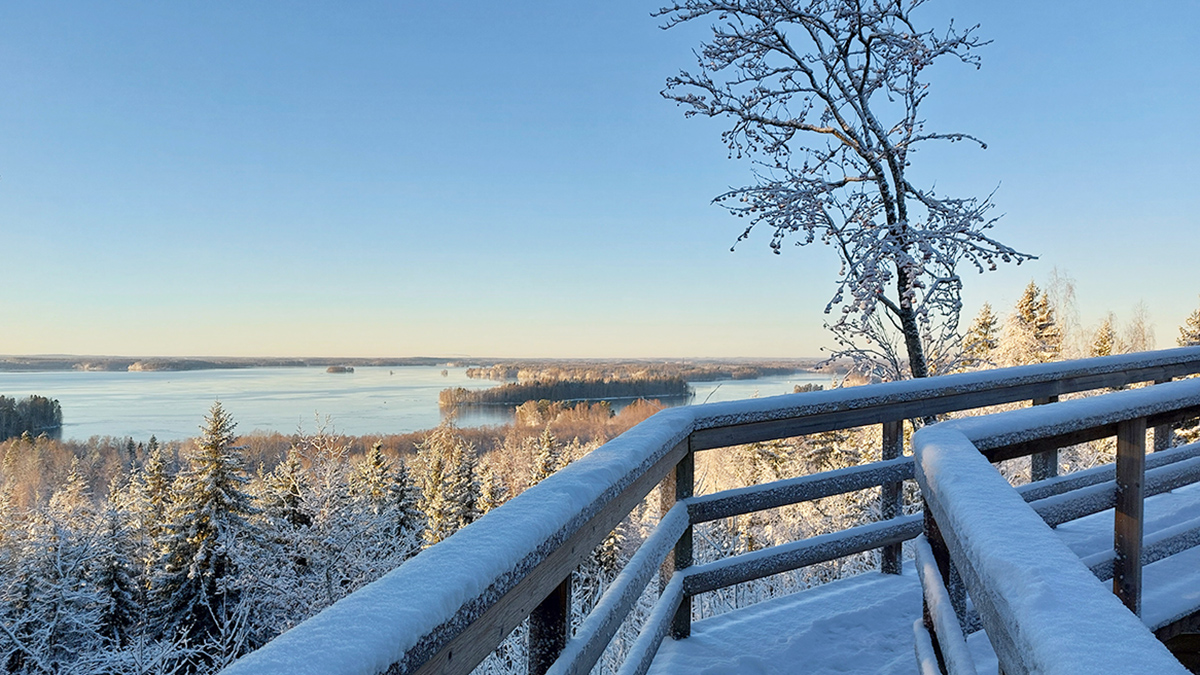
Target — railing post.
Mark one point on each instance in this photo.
(675, 487)
(1163, 433)
(1044, 465)
(549, 624)
(1127, 523)
(891, 495)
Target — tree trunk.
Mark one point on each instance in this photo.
(912, 332)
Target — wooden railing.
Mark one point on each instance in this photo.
(446, 609)
(1045, 610)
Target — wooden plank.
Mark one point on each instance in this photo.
(797, 554)
(461, 654)
(891, 497)
(938, 399)
(1044, 464)
(1059, 509)
(1105, 473)
(1127, 521)
(795, 490)
(549, 624)
(1014, 450)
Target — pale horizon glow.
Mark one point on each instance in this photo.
(504, 181)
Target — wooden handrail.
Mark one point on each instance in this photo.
(447, 608)
(968, 502)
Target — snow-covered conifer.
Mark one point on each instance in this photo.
(492, 490)
(548, 458)
(981, 339)
(196, 586)
(1104, 341)
(1189, 332)
(283, 491)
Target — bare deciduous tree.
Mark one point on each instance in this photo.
(824, 96)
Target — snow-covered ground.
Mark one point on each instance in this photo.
(864, 624)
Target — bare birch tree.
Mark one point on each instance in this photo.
(824, 96)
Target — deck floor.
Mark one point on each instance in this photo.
(864, 624)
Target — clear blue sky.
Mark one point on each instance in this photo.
(503, 178)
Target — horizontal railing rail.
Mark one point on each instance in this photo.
(994, 543)
(450, 606)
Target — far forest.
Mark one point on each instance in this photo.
(34, 416)
(601, 380)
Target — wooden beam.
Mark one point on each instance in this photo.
(465, 650)
(677, 487)
(797, 554)
(1127, 522)
(795, 490)
(938, 399)
(1044, 464)
(891, 497)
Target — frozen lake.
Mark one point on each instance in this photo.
(171, 405)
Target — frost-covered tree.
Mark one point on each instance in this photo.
(196, 585)
(1104, 341)
(825, 97)
(283, 491)
(492, 490)
(548, 457)
(981, 339)
(1139, 331)
(1189, 332)
(449, 483)
(1031, 334)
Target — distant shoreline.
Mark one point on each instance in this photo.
(152, 364)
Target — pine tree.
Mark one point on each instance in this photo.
(196, 586)
(981, 339)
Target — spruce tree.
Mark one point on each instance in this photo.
(981, 339)
(283, 491)
(1189, 332)
(372, 481)
(449, 483)
(492, 490)
(1047, 332)
(196, 586)
(548, 457)
(1104, 342)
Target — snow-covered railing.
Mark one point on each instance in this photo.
(1043, 609)
(450, 606)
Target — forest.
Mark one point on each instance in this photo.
(516, 393)
(124, 556)
(33, 415)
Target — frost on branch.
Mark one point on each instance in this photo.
(824, 97)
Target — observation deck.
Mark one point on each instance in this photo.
(1018, 577)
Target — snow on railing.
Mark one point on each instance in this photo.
(1042, 608)
(447, 608)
